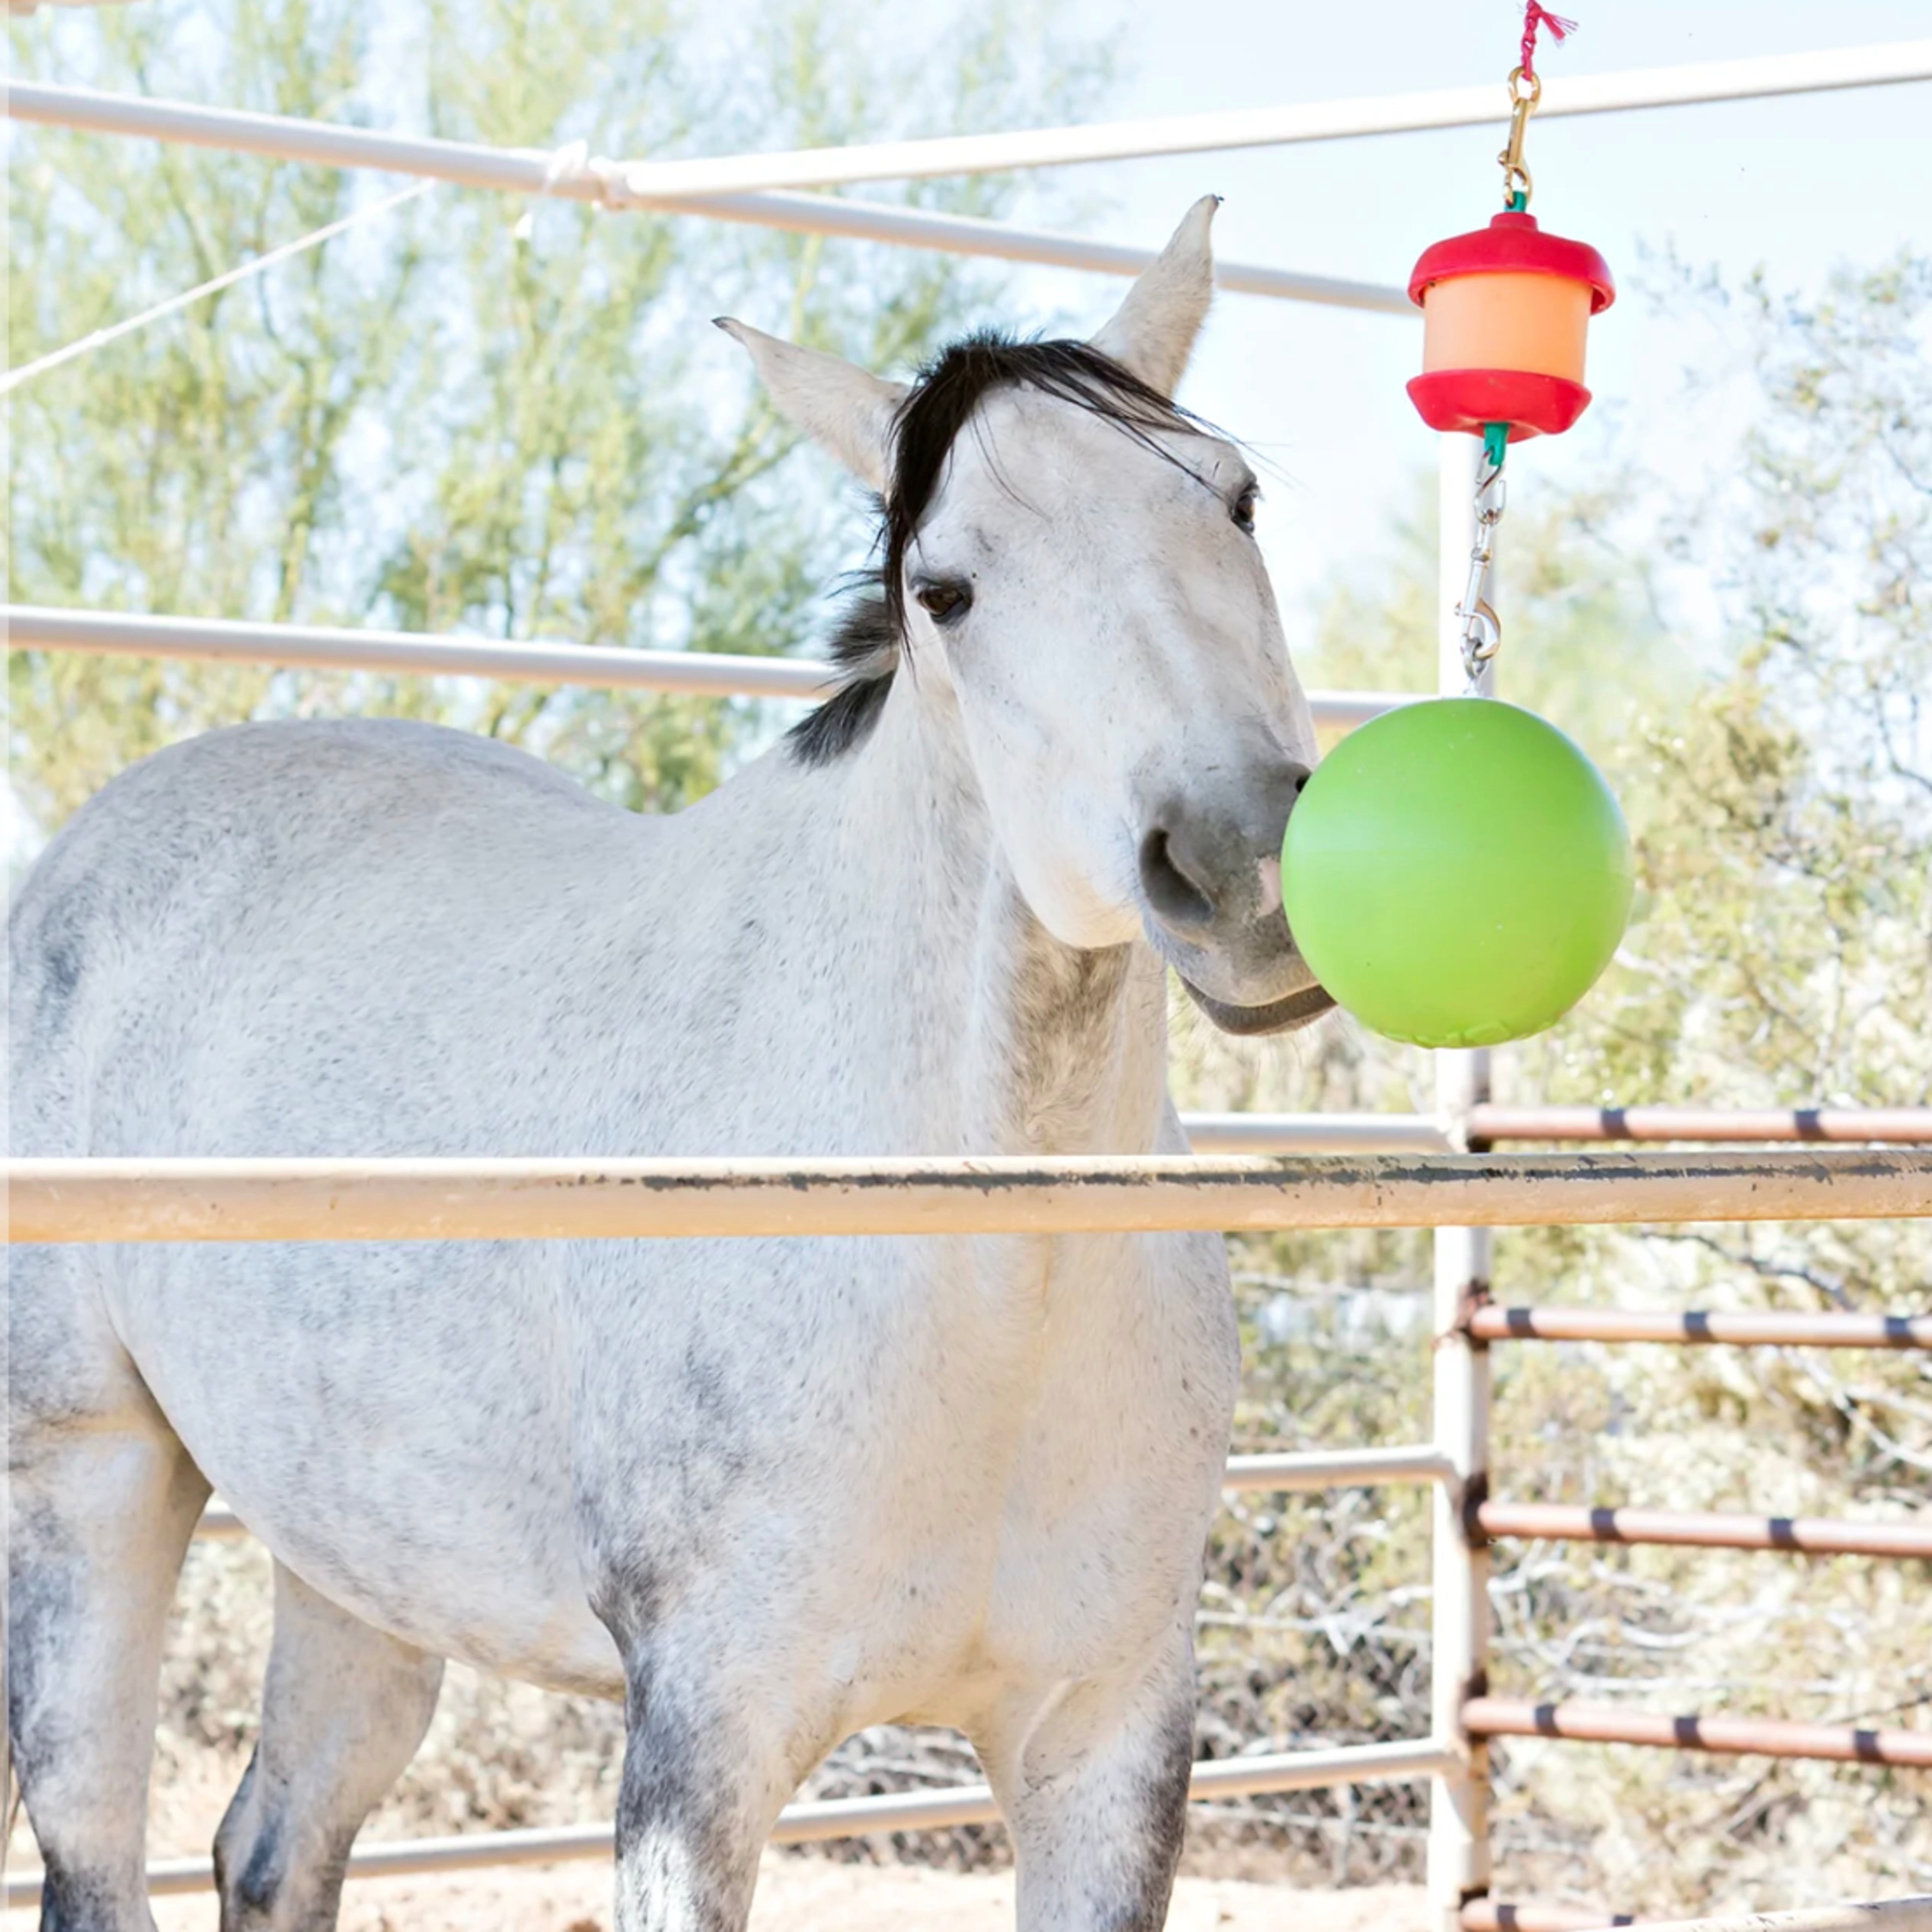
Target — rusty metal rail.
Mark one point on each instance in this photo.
(1731, 1737)
(1703, 1529)
(1907, 1126)
(1488, 1915)
(1749, 1329)
(1891, 1915)
(1485, 1124)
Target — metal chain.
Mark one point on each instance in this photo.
(1482, 628)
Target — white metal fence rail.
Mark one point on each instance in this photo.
(643, 182)
(1459, 1860)
(541, 172)
(693, 674)
(813, 1822)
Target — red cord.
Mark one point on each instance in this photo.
(1535, 16)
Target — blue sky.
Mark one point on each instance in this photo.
(1794, 186)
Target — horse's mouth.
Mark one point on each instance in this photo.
(1281, 1015)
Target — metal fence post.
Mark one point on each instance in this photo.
(1459, 1846)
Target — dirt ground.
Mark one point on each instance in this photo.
(796, 1894)
(817, 1895)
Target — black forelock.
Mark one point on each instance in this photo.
(870, 642)
(952, 388)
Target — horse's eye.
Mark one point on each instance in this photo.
(1243, 510)
(945, 599)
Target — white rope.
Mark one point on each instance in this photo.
(570, 163)
(14, 378)
(573, 170)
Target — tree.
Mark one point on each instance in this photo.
(466, 414)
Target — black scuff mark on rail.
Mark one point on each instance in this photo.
(1604, 1170)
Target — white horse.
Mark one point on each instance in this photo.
(766, 1492)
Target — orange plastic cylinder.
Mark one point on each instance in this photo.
(1537, 323)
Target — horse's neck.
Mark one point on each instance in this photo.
(1046, 1049)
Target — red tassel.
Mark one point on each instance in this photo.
(1535, 16)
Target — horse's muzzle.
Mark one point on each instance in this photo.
(1211, 892)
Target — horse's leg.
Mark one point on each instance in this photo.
(1095, 1793)
(708, 1765)
(343, 1711)
(103, 1508)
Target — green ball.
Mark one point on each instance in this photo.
(1456, 873)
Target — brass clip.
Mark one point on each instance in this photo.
(1516, 172)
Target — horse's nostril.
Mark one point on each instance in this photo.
(1301, 782)
(1175, 897)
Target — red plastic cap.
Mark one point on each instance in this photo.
(1471, 399)
(1513, 244)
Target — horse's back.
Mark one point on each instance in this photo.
(283, 897)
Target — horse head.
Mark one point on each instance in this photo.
(1069, 564)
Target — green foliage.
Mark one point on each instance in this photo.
(466, 414)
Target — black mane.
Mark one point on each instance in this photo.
(870, 640)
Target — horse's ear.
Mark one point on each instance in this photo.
(1153, 331)
(842, 409)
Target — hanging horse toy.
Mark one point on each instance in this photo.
(1457, 873)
